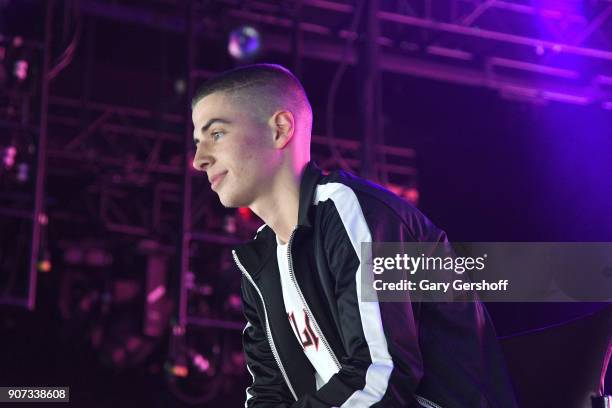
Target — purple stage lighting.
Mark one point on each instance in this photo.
(8, 158)
(244, 43)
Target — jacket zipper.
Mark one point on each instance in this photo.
(426, 402)
(308, 311)
(423, 401)
(268, 332)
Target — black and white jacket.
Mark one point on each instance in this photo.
(388, 354)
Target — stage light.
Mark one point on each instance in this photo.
(410, 194)
(23, 172)
(17, 41)
(245, 213)
(44, 265)
(229, 224)
(563, 6)
(180, 86)
(21, 70)
(200, 362)
(179, 371)
(244, 43)
(8, 158)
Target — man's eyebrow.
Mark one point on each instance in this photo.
(209, 124)
(213, 120)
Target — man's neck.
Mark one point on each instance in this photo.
(279, 208)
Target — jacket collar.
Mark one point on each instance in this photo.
(308, 184)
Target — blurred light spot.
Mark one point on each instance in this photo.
(244, 43)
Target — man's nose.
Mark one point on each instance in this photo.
(201, 161)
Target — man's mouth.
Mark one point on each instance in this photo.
(215, 180)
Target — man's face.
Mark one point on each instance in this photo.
(234, 147)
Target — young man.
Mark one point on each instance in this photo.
(310, 340)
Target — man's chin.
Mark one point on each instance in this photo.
(229, 202)
(226, 204)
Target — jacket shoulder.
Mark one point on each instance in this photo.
(378, 205)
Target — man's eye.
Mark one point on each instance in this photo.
(217, 135)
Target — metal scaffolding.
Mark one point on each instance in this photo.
(522, 51)
(560, 52)
(24, 128)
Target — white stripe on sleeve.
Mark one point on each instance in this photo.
(379, 371)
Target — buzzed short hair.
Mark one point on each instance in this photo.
(265, 87)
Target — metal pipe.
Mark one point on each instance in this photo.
(369, 66)
(185, 237)
(39, 181)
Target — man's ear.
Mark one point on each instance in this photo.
(283, 126)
